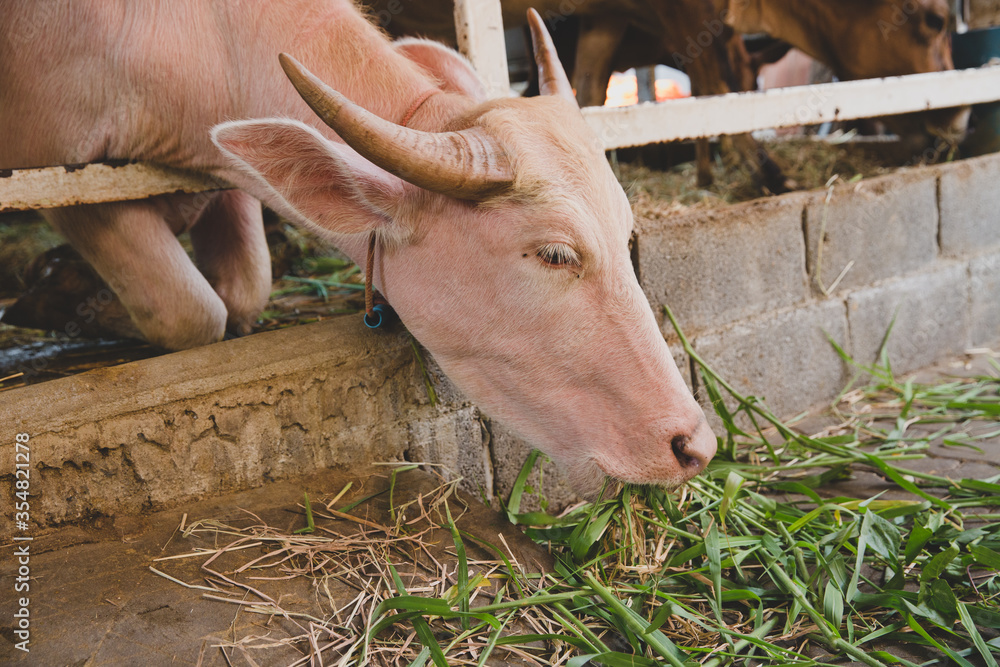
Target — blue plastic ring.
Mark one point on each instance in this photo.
(377, 310)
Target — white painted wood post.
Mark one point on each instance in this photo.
(479, 26)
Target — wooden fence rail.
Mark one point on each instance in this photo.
(480, 37)
(24, 189)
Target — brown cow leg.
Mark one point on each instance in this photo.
(745, 152)
(743, 148)
(723, 68)
(599, 38)
(703, 162)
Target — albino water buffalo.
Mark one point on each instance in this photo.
(503, 234)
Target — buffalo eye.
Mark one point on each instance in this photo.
(934, 21)
(558, 255)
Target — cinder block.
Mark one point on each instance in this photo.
(880, 228)
(509, 453)
(970, 205)
(931, 318)
(984, 294)
(784, 357)
(717, 266)
(454, 441)
(447, 394)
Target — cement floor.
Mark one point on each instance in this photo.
(95, 602)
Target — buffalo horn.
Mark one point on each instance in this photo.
(551, 75)
(465, 164)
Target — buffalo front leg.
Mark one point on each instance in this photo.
(134, 250)
(230, 248)
(599, 39)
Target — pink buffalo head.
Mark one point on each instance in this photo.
(504, 249)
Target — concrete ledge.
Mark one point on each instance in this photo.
(135, 387)
(151, 434)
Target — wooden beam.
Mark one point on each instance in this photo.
(638, 125)
(22, 189)
(479, 26)
(735, 113)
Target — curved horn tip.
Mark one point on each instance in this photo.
(552, 79)
(537, 27)
(292, 68)
(297, 72)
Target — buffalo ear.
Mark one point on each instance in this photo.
(452, 68)
(309, 178)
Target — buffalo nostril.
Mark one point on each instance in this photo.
(679, 445)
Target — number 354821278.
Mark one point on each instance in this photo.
(22, 475)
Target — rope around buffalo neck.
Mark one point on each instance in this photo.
(375, 303)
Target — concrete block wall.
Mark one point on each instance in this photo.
(758, 287)
(970, 206)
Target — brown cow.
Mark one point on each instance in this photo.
(857, 38)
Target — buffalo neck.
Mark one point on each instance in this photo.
(804, 24)
(352, 56)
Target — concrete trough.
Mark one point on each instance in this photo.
(749, 283)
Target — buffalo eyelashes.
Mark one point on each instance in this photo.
(558, 255)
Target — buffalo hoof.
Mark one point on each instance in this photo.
(66, 295)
